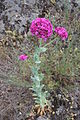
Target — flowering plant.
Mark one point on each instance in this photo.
(42, 28)
(61, 31)
(23, 57)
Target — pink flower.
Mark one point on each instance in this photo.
(62, 32)
(42, 28)
(23, 57)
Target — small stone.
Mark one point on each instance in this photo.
(42, 118)
(53, 112)
(59, 96)
(20, 113)
(72, 114)
(75, 114)
(71, 107)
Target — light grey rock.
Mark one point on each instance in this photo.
(42, 118)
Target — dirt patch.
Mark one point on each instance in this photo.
(15, 102)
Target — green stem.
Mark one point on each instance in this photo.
(38, 91)
(50, 42)
(40, 42)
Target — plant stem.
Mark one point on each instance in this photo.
(49, 42)
(40, 42)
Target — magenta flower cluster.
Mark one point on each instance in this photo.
(62, 32)
(23, 57)
(42, 28)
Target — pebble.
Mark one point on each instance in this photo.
(42, 118)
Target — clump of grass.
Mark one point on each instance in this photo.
(62, 61)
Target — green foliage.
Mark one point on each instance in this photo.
(19, 73)
(18, 81)
(37, 77)
(67, 64)
(67, 7)
(63, 59)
